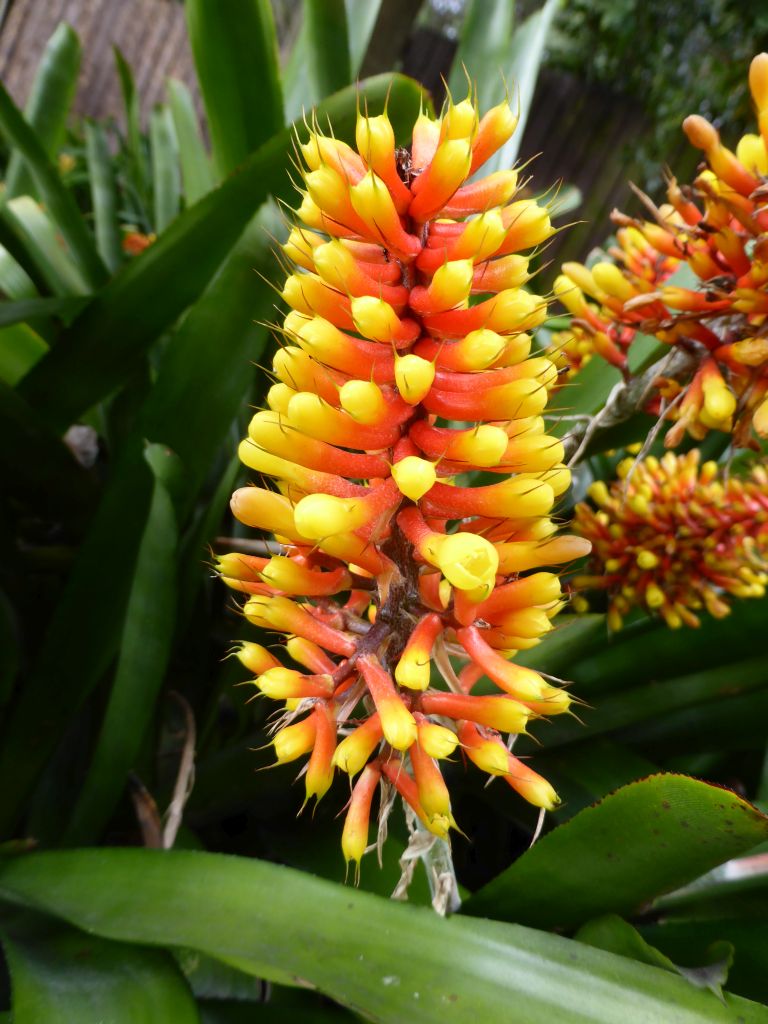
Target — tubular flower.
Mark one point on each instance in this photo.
(395, 578)
(675, 537)
(715, 229)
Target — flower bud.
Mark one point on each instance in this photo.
(495, 128)
(293, 741)
(414, 377)
(354, 838)
(321, 515)
(397, 723)
(363, 400)
(319, 775)
(414, 476)
(257, 659)
(531, 786)
(413, 668)
(488, 753)
(355, 749)
(282, 683)
(436, 740)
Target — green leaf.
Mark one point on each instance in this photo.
(628, 654)
(521, 62)
(328, 45)
(45, 247)
(196, 172)
(574, 637)
(145, 648)
(283, 1004)
(198, 392)
(235, 50)
(297, 85)
(688, 941)
(136, 150)
(59, 203)
(484, 43)
(62, 975)
(361, 20)
(744, 896)
(155, 288)
(51, 95)
(643, 840)
(586, 772)
(194, 548)
(20, 349)
(646, 703)
(585, 395)
(614, 935)
(32, 308)
(36, 465)
(81, 639)
(195, 398)
(15, 282)
(101, 178)
(166, 180)
(212, 979)
(388, 961)
(569, 198)
(9, 648)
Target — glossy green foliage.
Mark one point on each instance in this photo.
(412, 963)
(644, 839)
(138, 278)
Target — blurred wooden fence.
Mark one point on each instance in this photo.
(583, 135)
(150, 33)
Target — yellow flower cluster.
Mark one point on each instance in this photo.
(715, 229)
(676, 537)
(397, 582)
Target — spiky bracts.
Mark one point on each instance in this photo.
(400, 581)
(717, 313)
(676, 537)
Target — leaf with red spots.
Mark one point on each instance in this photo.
(647, 838)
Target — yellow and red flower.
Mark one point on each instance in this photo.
(405, 368)
(676, 537)
(716, 229)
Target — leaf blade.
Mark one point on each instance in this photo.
(60, 974)
(57, 199)
(166, 180)
(103, 196)
(234, 46)
(328, 45)
(51, 95)
(486, 34)
(215, 904)
(522, 61)
(196, 172)
(145, 649)
(647, 838)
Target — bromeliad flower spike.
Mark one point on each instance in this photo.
(400, 583)
(676, 537)
(716, 314)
